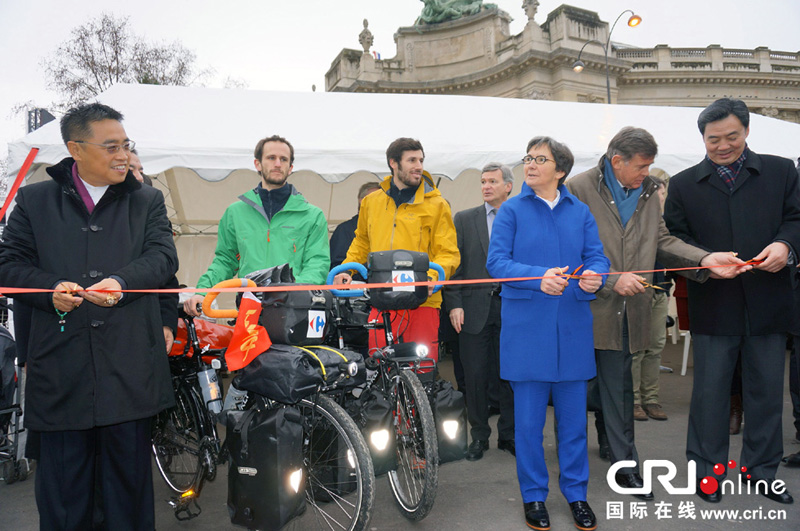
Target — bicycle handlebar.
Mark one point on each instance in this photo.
(209, 298)
(349, 293)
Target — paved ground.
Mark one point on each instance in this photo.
(484, 495)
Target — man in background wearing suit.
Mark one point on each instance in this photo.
(475, 315)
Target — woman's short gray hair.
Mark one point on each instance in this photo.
(561, 154)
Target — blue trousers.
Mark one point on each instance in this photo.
(530, 408)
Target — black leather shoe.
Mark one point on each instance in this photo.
(476, 449)
(783, 497)
(633, 481)
(792, 460)
(714, 497)
(583, 515)
(536, 516)
(508, 445)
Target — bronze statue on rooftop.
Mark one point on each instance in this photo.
(436, 11)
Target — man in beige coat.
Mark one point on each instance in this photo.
(623, 199)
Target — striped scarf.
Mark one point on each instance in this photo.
(729, 173)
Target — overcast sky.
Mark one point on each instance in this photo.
(289, 45)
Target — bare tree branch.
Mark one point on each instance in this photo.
(104, 51)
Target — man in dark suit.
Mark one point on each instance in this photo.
(737, 199)
(475, 315)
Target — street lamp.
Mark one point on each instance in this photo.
(578, 65)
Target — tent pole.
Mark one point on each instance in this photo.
(23, 171)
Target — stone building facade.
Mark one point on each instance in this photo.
(477, 55)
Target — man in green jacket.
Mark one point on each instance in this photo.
(270, 225)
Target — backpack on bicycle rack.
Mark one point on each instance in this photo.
(288, 374)
(398, 266)
(266, 487)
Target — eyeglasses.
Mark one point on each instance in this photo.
(112, 149)
(541, 159)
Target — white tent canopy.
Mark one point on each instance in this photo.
(213, 131)
(341, 135)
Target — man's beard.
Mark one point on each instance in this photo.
(271, 178)
(405, 177)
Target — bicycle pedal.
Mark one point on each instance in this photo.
(186, 507)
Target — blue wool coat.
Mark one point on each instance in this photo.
(544, 337)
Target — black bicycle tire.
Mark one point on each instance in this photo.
(167, 443)
(409, 447)
(320, 412)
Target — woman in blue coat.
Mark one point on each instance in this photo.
(546, 344)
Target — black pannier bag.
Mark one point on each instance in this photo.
(282, 373)
(266, 457)
(394, 267)
(296, 317)
(450, 416)
(373, 413)
(287, 374)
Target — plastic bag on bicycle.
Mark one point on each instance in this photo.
(288, 374)
(213, 335)
(265, 484)
(397, 266)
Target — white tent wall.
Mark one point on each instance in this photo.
(198, 143)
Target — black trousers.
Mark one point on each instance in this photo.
(794, 384)
(65, 477)
(763, 359)
(615, 382)
(480, 357)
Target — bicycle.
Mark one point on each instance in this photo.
(337, 468)
(185, 442)
(414, 477)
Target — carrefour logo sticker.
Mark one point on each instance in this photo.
(316, 324)
(399, 277)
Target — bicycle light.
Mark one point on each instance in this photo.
(295, 478)
(422, 351)
(379, 439)
(352, 369)
(450, 428)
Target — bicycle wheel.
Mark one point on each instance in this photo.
(176, 444)
(416, 477)
(340, 483)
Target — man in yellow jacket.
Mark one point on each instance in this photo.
(408, 212)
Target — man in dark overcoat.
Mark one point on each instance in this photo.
(475, 316)
(97, 371)
(624, 202)
(740, 200)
